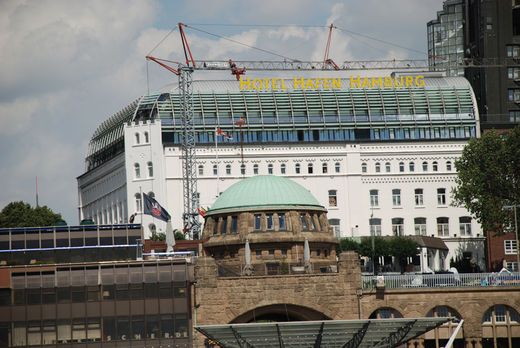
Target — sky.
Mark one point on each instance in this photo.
(67, 65)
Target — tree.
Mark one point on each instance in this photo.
(158, 237)
(348, 244)
(178, 235)
(380, 249)
(21, 214)
(489, 178)
(402, 248)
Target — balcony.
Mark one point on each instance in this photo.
(411, 281)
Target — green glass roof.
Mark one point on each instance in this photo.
(264, 192)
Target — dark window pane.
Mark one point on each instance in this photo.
(63, 294)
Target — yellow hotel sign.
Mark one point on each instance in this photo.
(332, 83)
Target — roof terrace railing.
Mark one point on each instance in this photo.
(410, 281)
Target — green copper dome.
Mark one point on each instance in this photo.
(264, 192)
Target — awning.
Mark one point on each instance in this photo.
(328, 333)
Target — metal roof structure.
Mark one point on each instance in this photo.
(264, 192)
(369, 333)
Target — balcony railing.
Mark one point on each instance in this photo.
(410, 281)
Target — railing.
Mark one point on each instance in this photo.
(410, 281)
(274, 268)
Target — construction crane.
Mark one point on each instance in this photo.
(326, 60)
(192, 226)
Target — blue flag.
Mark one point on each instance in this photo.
(151, 207)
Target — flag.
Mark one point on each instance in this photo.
(219, 132)
(151, 207)
(241, 122)
(202, 211)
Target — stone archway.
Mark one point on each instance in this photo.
(279, 312)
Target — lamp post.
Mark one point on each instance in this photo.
(509, 207)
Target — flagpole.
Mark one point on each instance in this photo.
(142, 204)
(216, 157)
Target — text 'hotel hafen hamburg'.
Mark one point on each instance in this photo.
(379, 159)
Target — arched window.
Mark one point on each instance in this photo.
(337, 166)
(387, 167)
(425, 166)
(385, 313)
(448, 166)
(138, 202)
(500, 315)
(401, 167)
(435, 166)
(243, 169)
(270, 168)
(309, 168)
(444, 332)
(412, 166)
(150, 169)
(378, 167)
(282, 168)
(201, 169)
(228, 169)
(146, 137)
(363, 167)
(215, 169)
(153, 229)
(137, 138)
(324, 168)
(137, 170)
(297, 168)
(255, 169)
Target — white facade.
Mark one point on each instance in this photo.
(379, 185)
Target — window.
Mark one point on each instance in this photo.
(337, 167)
(489, 23)
(258, 222)
(443, 227)
(514, 94)
(297, 168)
(146, 137)
(363, 167)
(441, 196)
(150, 169)
(396, 197)
(513, 51)
(269, 221)
(387, 167)
(419, 198)
(335, 224)
(378, 167)
(303, 219)
(138, 202)
(258, 254)
(499, 314)
(401, 167)
(435, 166)
(223, 225)
(234, 224)
(420, 226)
(324, 168)
(201, 169)
(137, 170)
(228, 169)
(374, 198)
(243, 169)
(375, 227)
(511, 247)
(333, 201)
(513, 73)
(282, 168)
(255, 169)
(512, 266)
(309, 168)
(270, 168)
(281, 222)
(465, 225)
(398, 226)
(514, 116)
(215, 169)
(448, 166)
(385, 313)
(425, 166)
(137, 138)
(411, 166)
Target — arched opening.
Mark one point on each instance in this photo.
(279, 313)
